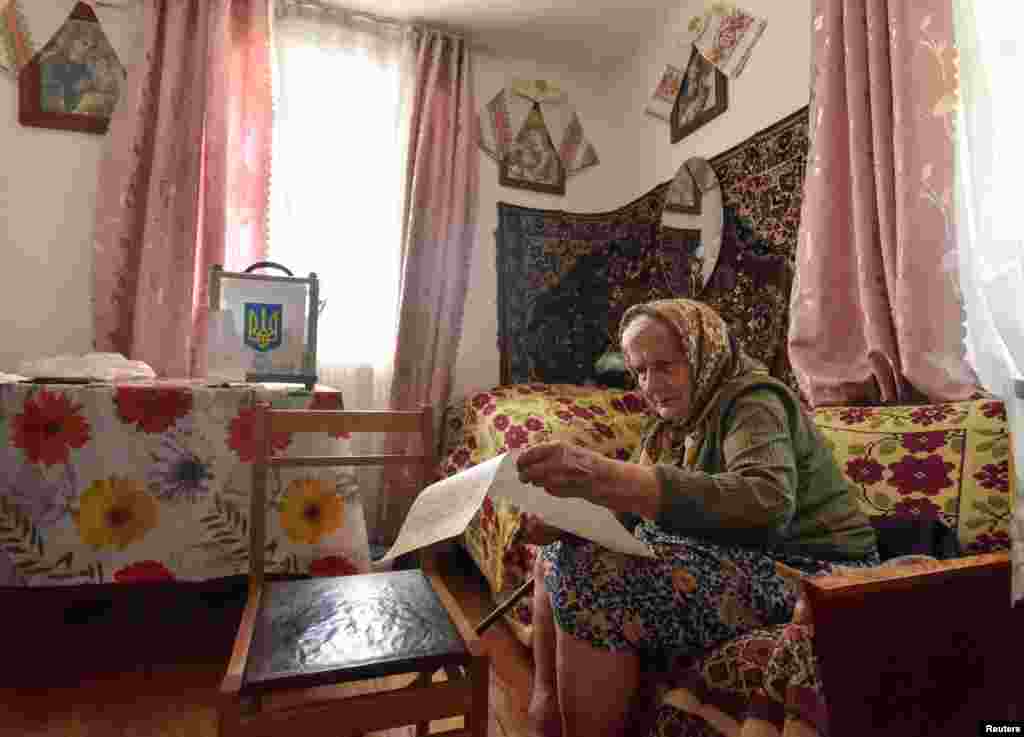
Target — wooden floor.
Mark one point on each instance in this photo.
(150, 666)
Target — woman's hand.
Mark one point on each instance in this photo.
(561, 469)
(571, 471)
(533, 531)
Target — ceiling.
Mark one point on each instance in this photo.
(588, 35)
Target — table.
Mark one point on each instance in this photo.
(150, 481)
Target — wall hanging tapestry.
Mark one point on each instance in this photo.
(565, 279)
(536, 137)
(74, 81)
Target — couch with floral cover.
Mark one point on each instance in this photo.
(944, 462)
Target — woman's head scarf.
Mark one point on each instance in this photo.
(715, 360)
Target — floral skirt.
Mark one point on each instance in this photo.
(694, 595)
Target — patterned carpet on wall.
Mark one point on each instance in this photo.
(565, 279)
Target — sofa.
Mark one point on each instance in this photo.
(919, 648)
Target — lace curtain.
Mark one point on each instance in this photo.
(337, 184)
(989, 163)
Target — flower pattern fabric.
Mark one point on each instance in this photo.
(726, 37)
(151, 482)
(48, 427)
(491, 422)
(948, 462)
(693, 596)
(768, 677)
(565, 279)
(877, 245)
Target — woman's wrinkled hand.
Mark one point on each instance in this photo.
(533, 531)
(560, 469)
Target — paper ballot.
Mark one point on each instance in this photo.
(444, 510)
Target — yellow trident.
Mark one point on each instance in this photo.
(263, 328)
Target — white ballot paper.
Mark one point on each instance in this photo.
(444, 510)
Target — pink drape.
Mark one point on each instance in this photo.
(876, 311)
(184, 182)
(439, 230)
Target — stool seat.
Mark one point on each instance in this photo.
(318, 655)
(330, 630)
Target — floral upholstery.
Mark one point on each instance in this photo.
(516, 416)
(766, 680)
(947, 462)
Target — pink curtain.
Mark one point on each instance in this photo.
(876, 310)
(184, 182)
(439, 229)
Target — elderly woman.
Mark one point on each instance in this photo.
(730, 477)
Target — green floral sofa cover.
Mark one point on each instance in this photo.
(947, 462)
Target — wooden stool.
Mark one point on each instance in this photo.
(303, 645)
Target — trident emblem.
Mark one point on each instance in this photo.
(263, 326)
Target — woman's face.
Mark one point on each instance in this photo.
(653, 352)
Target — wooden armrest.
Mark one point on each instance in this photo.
(930, 656)
(901, 577)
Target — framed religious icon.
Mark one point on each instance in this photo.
(703, 96)
(74, 81)
(532, 161)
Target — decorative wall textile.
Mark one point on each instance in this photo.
(727, 36)
(510, 113)
(75, 80)
(565, 279)
(438, 230)
(876, 252)
(151, 481)
(664, 95)
(26, 26)
(184, 182)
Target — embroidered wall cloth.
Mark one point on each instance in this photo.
(727, 36)
(28, 25)
(565, 279)
(505, 116)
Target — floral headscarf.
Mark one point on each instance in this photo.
(714, 359)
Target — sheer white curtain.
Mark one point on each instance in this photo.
(337, 184)
(990, 159)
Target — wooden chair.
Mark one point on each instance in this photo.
(304, 645)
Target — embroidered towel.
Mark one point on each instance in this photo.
(726, 37)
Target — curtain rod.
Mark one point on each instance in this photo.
(362, 15)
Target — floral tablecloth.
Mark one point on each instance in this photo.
(136, 482)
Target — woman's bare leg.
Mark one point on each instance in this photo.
(596, 687)
(544, 718)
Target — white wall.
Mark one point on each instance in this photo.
(634, 147)
(775, 82)
(47, 198)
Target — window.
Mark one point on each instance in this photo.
(337, 180)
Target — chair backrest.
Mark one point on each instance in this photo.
(270, 421)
